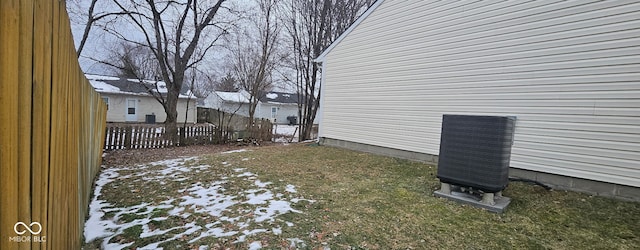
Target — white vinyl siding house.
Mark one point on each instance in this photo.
(118, 108)
(230, 102)
(128, 101)
(568, 70)
(277, 106)
(277, 113)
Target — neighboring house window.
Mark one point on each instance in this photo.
(131, 107)
(274, 112)
(106, 101)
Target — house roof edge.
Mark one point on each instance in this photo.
(364, 16)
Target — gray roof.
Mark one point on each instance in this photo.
(117, 85)
(279, 97)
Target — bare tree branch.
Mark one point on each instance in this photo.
(171, 32)
(92, 18)
(312, 26)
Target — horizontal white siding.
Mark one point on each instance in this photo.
(147, 105)
(284, 110)
(569, 70)
(213, 101)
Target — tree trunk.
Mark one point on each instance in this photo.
(172, 116)
(252, 111)
(313, 26)
(311, 105)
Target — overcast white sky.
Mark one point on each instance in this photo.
(101, 43)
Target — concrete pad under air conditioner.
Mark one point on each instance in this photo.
(456, 194)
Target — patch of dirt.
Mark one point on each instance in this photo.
(136, 156)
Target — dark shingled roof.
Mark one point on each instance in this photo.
(279, 97)
(136, 87)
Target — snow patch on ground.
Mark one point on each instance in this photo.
(95, 227)
(234, 151)
(255, 245)
(296, 243)
(245, 174)
(255, 207)
(291, 188)
(208, 198)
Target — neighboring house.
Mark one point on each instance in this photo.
(230, 102)
(568, 70)
(129, 101)
(277, 106)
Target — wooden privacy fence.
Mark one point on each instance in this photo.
(51, 129)
(141, 136)
(262, 130)
(223, 119)
(236, 125)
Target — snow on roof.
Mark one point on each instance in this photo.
(161, 87)
(279, 98)
(232, 97)
(104, 87)
(99, 77)
(115, 85)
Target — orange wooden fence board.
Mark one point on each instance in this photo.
(41, 114)
(9, 44)
(52, 126)
(25, 70)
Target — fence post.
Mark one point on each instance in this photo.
(265, 131)
(181, 140)
(106, 138)
(136, 136)
(121, 136)
(261, 133)
(211, 134)
(270, 131)
(127, 137)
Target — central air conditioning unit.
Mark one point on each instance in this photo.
(473, 163)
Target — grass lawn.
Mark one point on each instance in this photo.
(305, 196)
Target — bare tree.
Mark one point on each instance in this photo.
(133, 61)
(255, 55)
(92, 17)
(203, 84)
(172, 32)
(312, 26)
